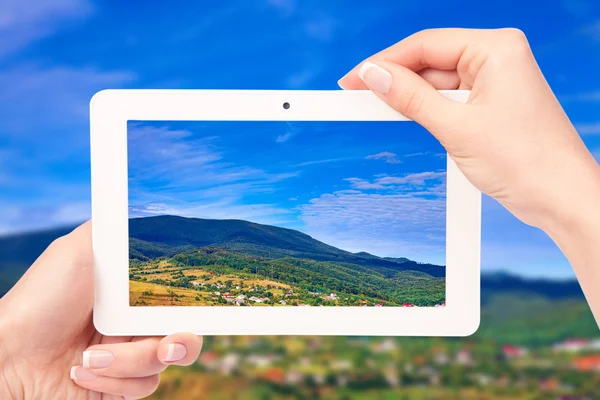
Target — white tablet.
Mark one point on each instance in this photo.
(280, 213)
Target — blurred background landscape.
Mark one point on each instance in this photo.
(537, 338)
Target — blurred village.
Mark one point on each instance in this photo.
(386, 368)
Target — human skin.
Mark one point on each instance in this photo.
(512, 139)
(46, 325)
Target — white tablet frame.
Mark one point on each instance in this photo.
(110, 111)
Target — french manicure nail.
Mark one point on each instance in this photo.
(375, 77)
(97, 358)
(176, 352)
(78, 373)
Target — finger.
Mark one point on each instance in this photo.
(438, 78)
(180, 349)
(435, 48)
(413, 97)
(124, 360)
(126, 387)
(441, 79)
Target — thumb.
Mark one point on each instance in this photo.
(413, 97)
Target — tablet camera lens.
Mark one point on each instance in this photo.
(286, 105)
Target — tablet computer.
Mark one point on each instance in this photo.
(277, 212)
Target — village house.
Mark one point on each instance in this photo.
(378, 305)
(294, 378)
(230, 363)
(289, 292)
(282, 302)
(195, 284)
(463, 357)
(209, 360)
(571, 346)
(587, 363)
(385, 346)
(260, 360)
(255, 299)
(513, 351)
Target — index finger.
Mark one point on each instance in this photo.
(439, 49)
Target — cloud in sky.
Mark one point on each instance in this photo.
(388, 182)
(385, 225)
(22, 22)
(324, 161)
(588, 129)
(386, 215)
(225, 208)
(58, 97)
(32, 216)
(581, 97)
(284, 137)
(385, 156)
(174, 172)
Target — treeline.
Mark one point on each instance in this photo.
(353, 281)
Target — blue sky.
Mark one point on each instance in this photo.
(55, 54)
(361, 186)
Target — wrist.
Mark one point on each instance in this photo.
(574, 206)
(10, 386)
(575, 228)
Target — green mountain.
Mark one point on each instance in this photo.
(162, 236)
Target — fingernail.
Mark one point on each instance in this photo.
(340, 84)
(375, 77)
(176, 352)
(78, 373)
(97, 358)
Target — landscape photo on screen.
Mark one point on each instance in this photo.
(274, 213)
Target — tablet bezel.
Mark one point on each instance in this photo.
(110, 111)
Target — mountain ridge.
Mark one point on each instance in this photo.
(19, 251)
(152, 237)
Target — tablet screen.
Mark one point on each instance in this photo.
(272, 213)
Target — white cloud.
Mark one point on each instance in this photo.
(29, 217)
(581, 97)
(385, 225)
(227, 208)
(385, 156)
(193, 178)
(324, 161)
(393, 182)
(284, 137)
(363, 184)
(22, 22)
(38, 98)
(588, 129)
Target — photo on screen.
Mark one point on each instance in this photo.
(274, 213)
